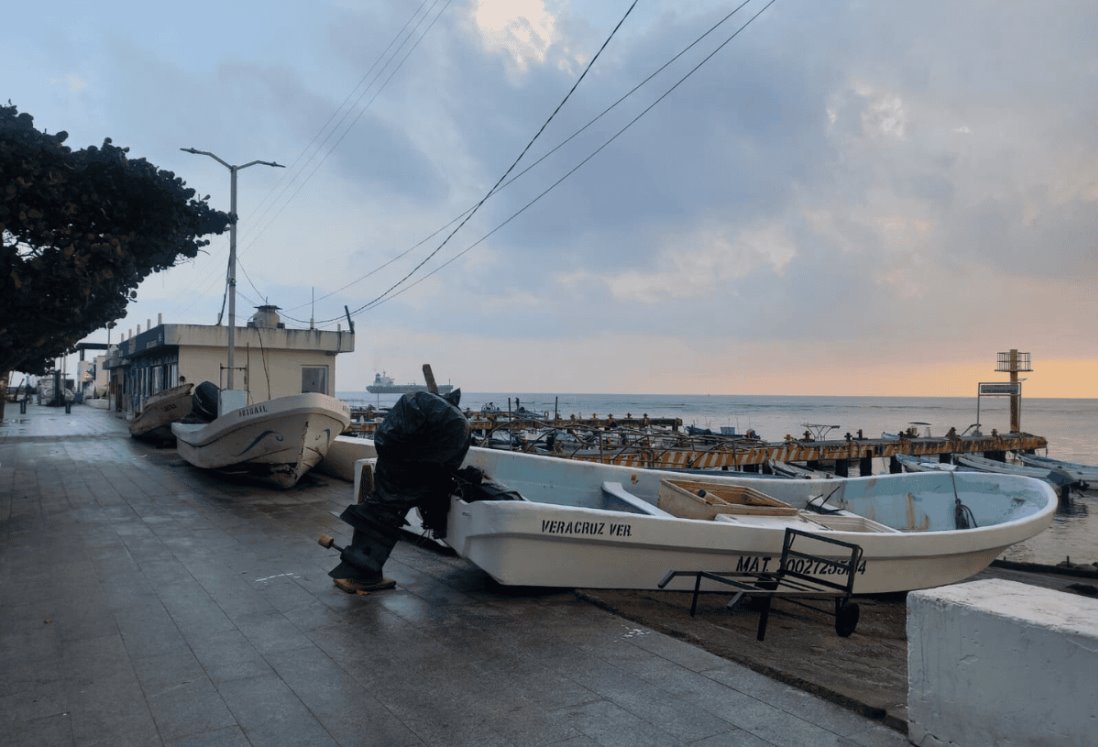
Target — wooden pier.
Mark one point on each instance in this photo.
(751, 455)
(485, 423)
(629, 441)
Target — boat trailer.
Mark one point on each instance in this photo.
(790, 583)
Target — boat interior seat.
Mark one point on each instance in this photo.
(797, 521)
(808, 521)
(617, 490)
(693, 499)
(847, 521)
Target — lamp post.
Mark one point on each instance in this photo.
(232, 245)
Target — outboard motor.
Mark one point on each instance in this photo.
(204, 401)
(420, 446)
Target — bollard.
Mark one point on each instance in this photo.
(22, 407)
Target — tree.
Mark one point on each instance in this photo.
(79, 231)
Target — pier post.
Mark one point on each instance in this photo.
(842, 468)
(865, 465)
(894, 467)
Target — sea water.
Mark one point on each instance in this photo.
(1069, 425)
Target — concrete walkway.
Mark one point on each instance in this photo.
(145, 602)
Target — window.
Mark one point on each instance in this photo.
(314, 379)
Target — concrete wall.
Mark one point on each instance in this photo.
(202, 352)
(996, 662)
(283, 368)
(274, 360)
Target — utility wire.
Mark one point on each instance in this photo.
(249, 277)
(264, 211)
(349, 127)
(291, 173)
(385, 296)
(533, 165)
(510, 168)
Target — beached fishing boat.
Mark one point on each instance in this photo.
(1055, 477)
(582, 524)
(785, 469)
(1086, 473)
(917, 464)
(275, 441)
(160, 411)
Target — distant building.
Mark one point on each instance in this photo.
(270, 360)
(91, 378)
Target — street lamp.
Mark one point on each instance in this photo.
(232, 245)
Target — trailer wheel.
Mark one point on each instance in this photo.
(846, 619)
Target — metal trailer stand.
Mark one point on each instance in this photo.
(791, 582)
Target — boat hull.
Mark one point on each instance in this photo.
(160, 411)
(276, 441)
(1055, 477)
(1080, 472)
(560, 537)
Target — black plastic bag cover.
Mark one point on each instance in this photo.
(420, 445)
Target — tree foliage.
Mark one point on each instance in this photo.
(79, 231)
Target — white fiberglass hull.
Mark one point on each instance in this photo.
(161, 410)
(276, 441)
(1079, 472)
(563, 536)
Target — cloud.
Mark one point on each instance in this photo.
(854, 184)
(524, 30)
(72, 82)
(705, 264)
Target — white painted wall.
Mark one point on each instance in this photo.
(995, 662)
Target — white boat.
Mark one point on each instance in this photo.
(983, 464)
(275, 441)
(160, 411)
(1081, 472)
(915, 464)
(583, 524)
(785, 469)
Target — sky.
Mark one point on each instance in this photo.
(844, 198)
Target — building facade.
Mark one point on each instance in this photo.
(270, 360)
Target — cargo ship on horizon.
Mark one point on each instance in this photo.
(384, 384)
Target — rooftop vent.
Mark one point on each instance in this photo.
(266, 317)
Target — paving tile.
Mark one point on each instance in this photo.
(346, 709)
(611, 725)
(678, 652)
(147, 629)
(270, 631)
(766, 721)
(165, 672)
(677, 716)
(110, 709)
(735, 738)
(33, 701)
(231, 736)
(54, 730)
(35, 641)
(152, 602)
(189, 708)
(229, 656)
(270, 713)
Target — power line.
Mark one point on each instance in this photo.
(264, 207)
(541, 159)
(346, 130)
(268, 202)
(384, 297)
(510, 168)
